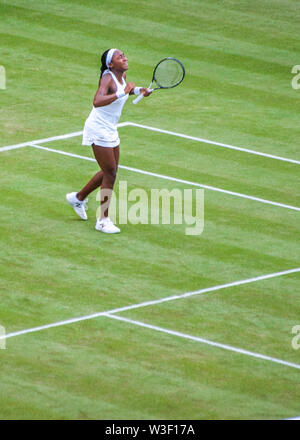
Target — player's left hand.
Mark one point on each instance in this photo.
(146, 92)
(129, 87)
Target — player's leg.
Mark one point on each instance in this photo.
(107, 162)
(79, 200)
(117, 154)
(96, 180)
(107, 159)
(93, 184)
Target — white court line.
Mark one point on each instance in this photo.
(40, 141)
(205, 341)
(50, 139)
(14, 147)
(174, 179)
(64, 153)
(159, 130)
(219, 144)
(207, 290)
(149, 303)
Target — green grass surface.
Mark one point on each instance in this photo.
(238, 57)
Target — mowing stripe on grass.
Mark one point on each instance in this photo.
(174, 179)
(219, 144)
(148, 303)
(204, 341)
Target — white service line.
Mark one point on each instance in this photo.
(205, 341)
(159, 130)
(50, 139)
(150, 303)
(219, 144)
(174, 179)
(40, 141)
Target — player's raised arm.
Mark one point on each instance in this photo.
(106, 93)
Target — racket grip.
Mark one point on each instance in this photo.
(136, 100)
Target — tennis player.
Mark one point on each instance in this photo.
(100, 132)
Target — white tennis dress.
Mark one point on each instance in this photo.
(100, 128)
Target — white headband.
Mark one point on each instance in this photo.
(109, 56)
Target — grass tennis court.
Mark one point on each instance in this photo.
(158, 362)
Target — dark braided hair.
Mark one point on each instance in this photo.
(103, 63)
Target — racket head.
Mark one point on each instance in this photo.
(168, 73)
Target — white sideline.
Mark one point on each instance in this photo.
(174, 179)
(205, 341)
(159, 301)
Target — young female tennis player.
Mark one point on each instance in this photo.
(100, 131)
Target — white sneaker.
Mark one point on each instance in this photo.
(79, 207)
(106, 225)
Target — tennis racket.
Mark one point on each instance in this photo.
(168, 73)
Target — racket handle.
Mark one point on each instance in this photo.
(136, 100)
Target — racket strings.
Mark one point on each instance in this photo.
(168, 73)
